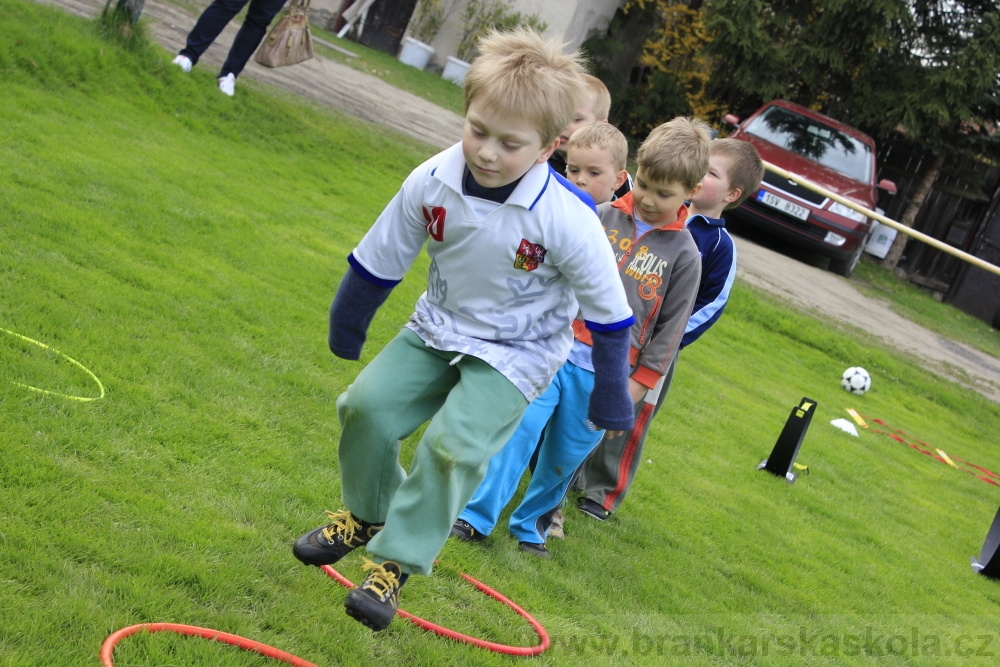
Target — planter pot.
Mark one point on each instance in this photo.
(880, 240)
(455, 70)
(415, 53)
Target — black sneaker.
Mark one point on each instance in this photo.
(464, 531)
(375, 601)
(328, 544)
(593, 510)
(534, 549)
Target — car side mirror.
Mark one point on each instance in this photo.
(887, 185)
(731, 119)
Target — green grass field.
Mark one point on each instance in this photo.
(184, 247)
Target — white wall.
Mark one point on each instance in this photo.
(321, 12)
(570, 19)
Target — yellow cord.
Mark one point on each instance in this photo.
(82, 399)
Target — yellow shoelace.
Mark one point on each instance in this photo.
(342, 524)
(379, 579)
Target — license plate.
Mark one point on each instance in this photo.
(774, 201)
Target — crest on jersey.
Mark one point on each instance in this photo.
(529, 256)
(435, 222)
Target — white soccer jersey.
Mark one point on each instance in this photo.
(505, 286)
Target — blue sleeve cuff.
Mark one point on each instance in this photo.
(368, 275)
(614, 326)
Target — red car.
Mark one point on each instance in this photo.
(826, 152)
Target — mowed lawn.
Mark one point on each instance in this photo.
(183, 247)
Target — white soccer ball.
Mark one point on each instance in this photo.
(856, 380)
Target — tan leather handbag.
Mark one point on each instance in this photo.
(289, 41)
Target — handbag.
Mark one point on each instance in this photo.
(289, 41)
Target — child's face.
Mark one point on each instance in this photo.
(589, 168)
(500, 150)
(584, 116)
(657, 202)
(715, 190)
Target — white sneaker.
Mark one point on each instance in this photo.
(227, 84)
(183, 62)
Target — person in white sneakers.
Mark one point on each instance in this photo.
(211, 23)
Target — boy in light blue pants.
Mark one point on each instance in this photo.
(660, 267)
(570, 392)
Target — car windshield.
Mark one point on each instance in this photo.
(814, 140)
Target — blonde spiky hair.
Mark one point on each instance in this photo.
(521, 75)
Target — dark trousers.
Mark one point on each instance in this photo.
(217, 15)
(607, 475)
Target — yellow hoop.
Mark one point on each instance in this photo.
(82, 399)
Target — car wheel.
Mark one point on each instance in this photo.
(845, 267)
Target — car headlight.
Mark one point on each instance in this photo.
(847, 212)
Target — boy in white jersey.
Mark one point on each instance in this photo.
(515, 254)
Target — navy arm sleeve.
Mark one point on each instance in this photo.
(610, 403)
(360, 294)
(718, 273)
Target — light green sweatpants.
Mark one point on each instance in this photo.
(473, 410)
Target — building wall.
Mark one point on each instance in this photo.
(958, 211)
(324, 13)
(570, 19)
(975, 290)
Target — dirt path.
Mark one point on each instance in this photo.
(818, 291)
(319, 79)
(809, 288)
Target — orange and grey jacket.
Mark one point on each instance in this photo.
(661, 271)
